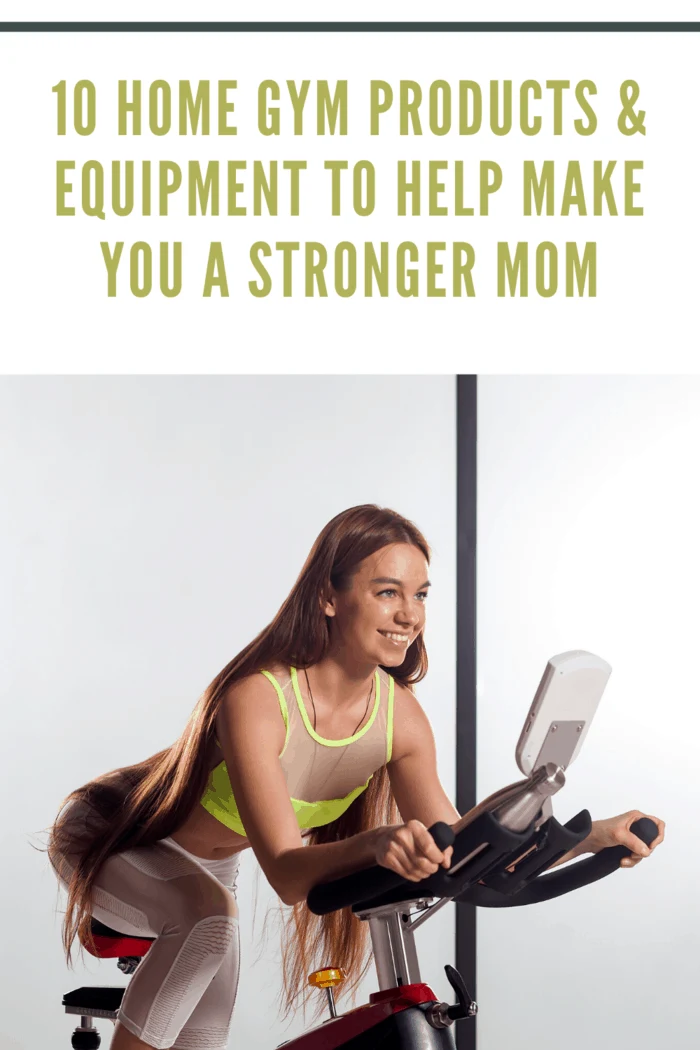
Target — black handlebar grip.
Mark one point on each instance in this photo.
(443, 834)
(368, 883)
(645, 829)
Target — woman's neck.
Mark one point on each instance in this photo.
(342, 678)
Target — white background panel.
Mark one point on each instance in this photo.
(588, 520)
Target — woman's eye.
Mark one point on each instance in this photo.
(392, 591)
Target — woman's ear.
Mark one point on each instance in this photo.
(328, 604)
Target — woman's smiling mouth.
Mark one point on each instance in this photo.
(396, 638)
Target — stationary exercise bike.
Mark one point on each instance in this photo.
(501, 849)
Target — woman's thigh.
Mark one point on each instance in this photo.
(151, 890)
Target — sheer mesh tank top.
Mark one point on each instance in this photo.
(323, 776)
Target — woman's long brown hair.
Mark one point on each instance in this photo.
(138, 805)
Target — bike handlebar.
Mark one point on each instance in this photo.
(487, 850)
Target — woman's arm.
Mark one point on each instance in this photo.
(413, 767)
(616, 831)
(251, 734)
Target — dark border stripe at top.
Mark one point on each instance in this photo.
(349, 27)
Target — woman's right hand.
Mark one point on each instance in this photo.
(410, 850)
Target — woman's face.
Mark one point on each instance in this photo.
(383, 610)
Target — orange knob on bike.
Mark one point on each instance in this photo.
(328, 979)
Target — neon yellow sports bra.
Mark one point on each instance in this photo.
(335, 772)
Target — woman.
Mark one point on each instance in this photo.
(305, 734)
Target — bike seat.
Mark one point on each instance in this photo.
(112, 944)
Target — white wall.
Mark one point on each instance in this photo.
(149, 527)
(589, 536)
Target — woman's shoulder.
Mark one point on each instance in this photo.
(407, 709)
(412, 729)
(249, 704)
(405, 693)
(256, 694)
(250, 684)
(278, 670)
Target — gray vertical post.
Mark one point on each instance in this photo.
(466, 666)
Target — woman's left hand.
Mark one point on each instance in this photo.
(615, 831)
